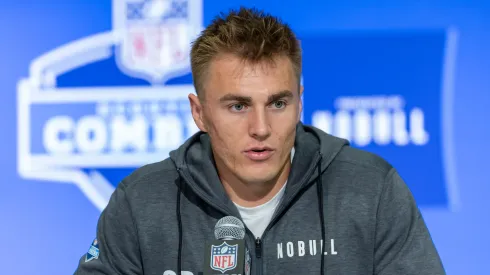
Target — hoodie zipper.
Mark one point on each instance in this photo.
(258, 248)
(258, 256)
(259, 243)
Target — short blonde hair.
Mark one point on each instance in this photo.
(249, 34)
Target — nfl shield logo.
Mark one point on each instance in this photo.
(156, 37)
(223, 257)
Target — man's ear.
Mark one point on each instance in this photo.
(197, 112)
(301, 89)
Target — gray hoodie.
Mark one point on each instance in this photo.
(358, 210)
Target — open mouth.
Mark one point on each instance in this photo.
(259, 154)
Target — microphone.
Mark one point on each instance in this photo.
(227, 254)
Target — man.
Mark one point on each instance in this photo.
(311, 204)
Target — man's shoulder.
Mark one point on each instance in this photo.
(146, 194)
(158, 174)
(339, 151)
(360, 159)
(360, 179)
(359, 171)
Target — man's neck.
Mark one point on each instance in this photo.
(255, 194)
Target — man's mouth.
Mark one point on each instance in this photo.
(259, 153)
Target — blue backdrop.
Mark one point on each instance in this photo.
(404, 79)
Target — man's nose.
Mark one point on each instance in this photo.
(259, 126)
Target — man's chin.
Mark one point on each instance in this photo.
(255, 176)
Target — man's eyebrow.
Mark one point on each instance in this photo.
(280, 95)
(232, 97)
(247, 99)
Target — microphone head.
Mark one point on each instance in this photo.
(229, 228)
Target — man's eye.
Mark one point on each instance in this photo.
(237, 107)
(279, 104)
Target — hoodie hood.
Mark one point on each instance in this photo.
(313, 149)
(194, 161)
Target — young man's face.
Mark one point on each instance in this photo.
(250, 112)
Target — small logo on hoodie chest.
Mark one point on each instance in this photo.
(306, 248)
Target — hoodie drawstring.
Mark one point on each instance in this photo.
(179, 221)
(319, 187)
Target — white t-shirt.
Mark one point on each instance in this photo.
(258, 218)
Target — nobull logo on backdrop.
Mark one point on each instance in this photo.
(389, 92)
(93, 110)
(379, 120)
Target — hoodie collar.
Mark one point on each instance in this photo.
(195, 163)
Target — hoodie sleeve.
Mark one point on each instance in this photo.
(115, 249)
(403, 244)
